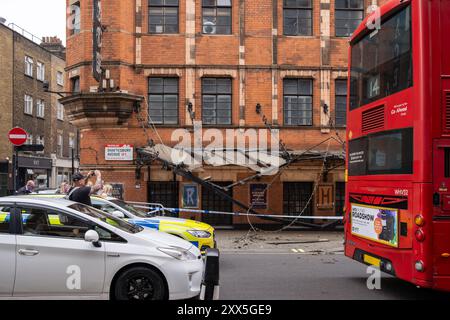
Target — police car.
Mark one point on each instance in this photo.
(198, 233)
(55, 248)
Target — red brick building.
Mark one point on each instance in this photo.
(222, 58)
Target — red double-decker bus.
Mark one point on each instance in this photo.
(398, 159)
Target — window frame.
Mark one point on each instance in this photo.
(60, 78)
(347, 9)
(298, 9)
(336, 95)
(311, 95)
(60, 144)
(59, 111)
(163, 6)
(30, 139)
(75, 84)
(29, 66)
(40, 109)
(28, 105)
(75, 11)
(217, 94)
(40, 71)
(163, 95)
(216, 15)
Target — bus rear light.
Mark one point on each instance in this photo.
(419, 266)
(419, 220)
(445, 255)
(420, 235)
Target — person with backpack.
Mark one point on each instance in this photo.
(81, 192)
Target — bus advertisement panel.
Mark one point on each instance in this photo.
(376, 224)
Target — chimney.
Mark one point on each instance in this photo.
(55, 46)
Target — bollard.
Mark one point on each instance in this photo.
(210, 283)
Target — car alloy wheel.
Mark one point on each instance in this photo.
(140, 283)
(140, 288)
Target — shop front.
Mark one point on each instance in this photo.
(37, 169)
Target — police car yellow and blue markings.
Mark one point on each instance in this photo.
(179, 228)
(4, 217)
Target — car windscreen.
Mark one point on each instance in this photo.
(107, 218)
(128, 207)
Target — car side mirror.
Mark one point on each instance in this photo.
(93, 237)
(118, 214)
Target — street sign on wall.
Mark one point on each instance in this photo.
(119, 152)
(97, 41)
(18, 136)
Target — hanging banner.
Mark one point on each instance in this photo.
(119, 152)
(376, 224)
(97, 41)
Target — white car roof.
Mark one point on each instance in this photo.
(35, 200)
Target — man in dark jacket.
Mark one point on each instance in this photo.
(27, 189)
(80, 192)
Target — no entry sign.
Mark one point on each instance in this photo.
(18, 136)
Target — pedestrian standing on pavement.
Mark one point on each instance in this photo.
(64, 188)
(26, 189)
(81, 192)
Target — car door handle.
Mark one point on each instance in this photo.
(28, 253)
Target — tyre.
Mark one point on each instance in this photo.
(140, 283)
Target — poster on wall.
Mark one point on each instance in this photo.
(258, 196)
(117, 190)
(376, 224)
(190, 196)
(119, 152)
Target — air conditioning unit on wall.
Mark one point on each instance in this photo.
(209, 27)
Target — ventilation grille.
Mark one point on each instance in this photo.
(373, 119)
(447, 110)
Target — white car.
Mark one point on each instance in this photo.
(54, 248)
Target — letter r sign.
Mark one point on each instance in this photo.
(190, 196)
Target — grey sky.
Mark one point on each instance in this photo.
(41, 18)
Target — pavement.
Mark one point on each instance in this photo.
(303, 242)
(303, 265)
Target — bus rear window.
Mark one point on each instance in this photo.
(381, 62)
(382, 154)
